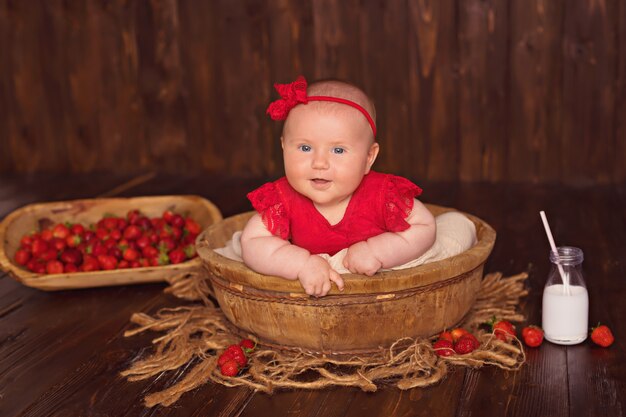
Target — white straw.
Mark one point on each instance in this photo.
(553, 247)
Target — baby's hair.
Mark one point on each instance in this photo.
(340, 89)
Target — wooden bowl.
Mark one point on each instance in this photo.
(371, 313)
(28, 219)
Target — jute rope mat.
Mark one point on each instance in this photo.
(198, 334)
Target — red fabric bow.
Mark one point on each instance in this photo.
(292, 94)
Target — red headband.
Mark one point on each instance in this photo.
(294, 93)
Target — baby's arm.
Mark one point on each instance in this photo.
(271, 255)
(392, 249)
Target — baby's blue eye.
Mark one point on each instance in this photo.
(305, 148)
(338, 151)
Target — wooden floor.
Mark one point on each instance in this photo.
(61, 353)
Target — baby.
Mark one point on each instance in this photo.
(330, 199)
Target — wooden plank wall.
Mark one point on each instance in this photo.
(472, 90)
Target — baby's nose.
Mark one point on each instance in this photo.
(320, 160)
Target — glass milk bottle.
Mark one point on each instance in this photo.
(565, 298)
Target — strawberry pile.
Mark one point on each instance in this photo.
(456, 341)
(235, 357)
(504, 330)
(459, 341)
(112, 243)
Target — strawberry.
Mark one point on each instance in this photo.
(123, 264)
(473, 338)
(38, 267)
(107, 262)
(532, 335)
(247, 345)
(72, 241)
(26, 241)
(132, 216)
(157, 223)
(46, 235)
(132, 232)
(22, 256)
(110, 243)
(144, 223)
(192, 226)
(178, 221)
(115, 252)
(116, 234)
(444, 347)
(466, 344)
(110, 223)
(602, 335)
(71, 256)
(237, 354)
(48, 255)
(176, 233)
(241, 359)
(54, 267)
(77, 229)
(165, 232)
(88, 236)
(70, 268)
(143, 242)
(102, 233)
(58, 244)
(38, 247)
(61, 231)
(457, 333)
(229, 368)
(150, 252)
(166, 244)
(121, 224)
(177, 256)
(223, 358)
(502, 329)
(130, 254)
(168, 215)
(90, 264)
(189, 239)
(154, 238)
(99, 249)
(446, 335)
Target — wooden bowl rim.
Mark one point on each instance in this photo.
(397, 280)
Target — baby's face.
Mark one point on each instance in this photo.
(327, 152)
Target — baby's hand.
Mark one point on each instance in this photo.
(316, 275)
(361, 260)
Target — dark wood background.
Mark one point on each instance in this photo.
(472, 90)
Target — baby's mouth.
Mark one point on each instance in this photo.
(320, 181)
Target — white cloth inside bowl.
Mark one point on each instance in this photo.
(455, 234)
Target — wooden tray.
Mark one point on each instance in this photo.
(26, 219)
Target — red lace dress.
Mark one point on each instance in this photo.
(380, 204)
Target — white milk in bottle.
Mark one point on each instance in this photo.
(565, 299)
